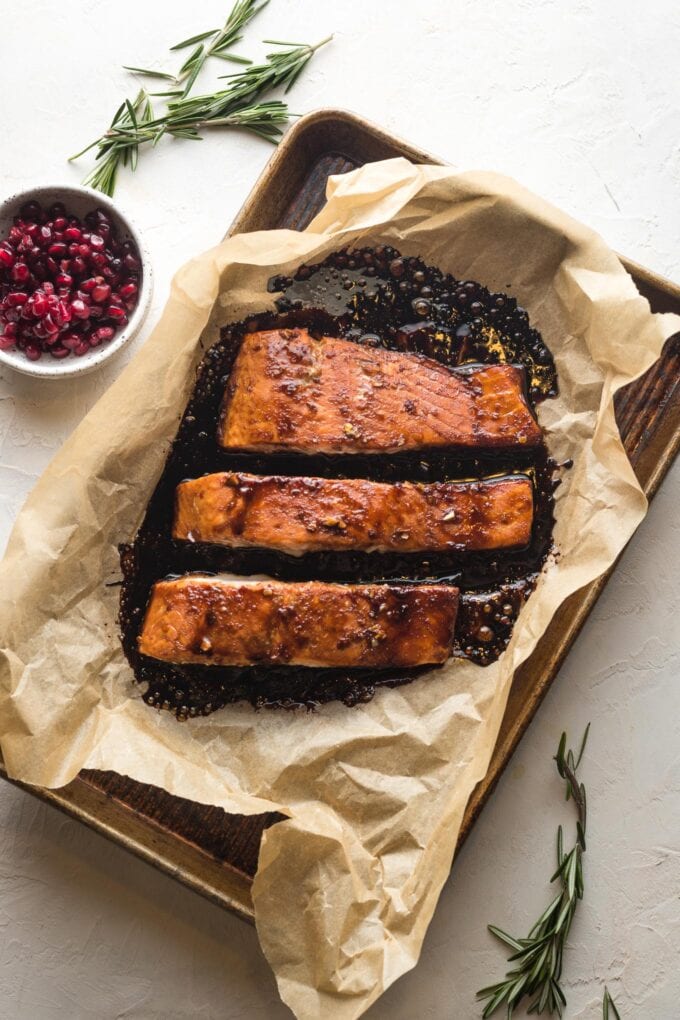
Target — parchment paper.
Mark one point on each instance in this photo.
(375, 794)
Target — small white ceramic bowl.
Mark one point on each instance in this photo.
(78, 201)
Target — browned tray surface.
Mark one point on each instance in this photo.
(216, 853)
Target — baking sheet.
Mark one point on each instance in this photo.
(375, 841)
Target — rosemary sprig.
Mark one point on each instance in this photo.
(213, 43)
(237, 105)
(281, 68)
(538, 957)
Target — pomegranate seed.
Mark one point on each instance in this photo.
(6, 258)
(59, 352)
(52, 265)
(97, 242)
(128, 290)
(30, 210)
(57, 250)
(101, 293)
(48, 287)
(11, 329)
(39, 304)
(49, 324)
(45, 235)
(63, 280)
(130, 262)
(6, 342)
(84, 251)
(103, 334)
(63, 313)
(15, 298)
(78, 266)
(20, 272)
(32, 352)
(81, 349)
(115, 312)
(96, 311)
(70, 341)
(79, 309)
(89, 285)
(74, 248)
(99, 260)
(73, 234)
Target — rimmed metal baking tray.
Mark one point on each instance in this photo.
(216, 853)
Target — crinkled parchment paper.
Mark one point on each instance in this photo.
(375, 794)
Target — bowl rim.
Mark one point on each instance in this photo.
(71, 366)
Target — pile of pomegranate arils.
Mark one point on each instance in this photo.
(66, 285)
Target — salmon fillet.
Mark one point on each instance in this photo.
(214, 621)
(298, 515)
(290, 391)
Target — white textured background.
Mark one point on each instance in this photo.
(579, 100)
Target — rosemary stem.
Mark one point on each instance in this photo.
(329, 38)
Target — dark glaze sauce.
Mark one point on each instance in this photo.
(373, 297)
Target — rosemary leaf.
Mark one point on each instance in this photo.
(191, 61)
(194, 39)
(609, 1010)
(149, 73)
(232, 58)
(504, 937)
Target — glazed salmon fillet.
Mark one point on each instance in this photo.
(298, 515)
(215, 621)
(290, 391)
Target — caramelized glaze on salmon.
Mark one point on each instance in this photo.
(290, 391)
(214, 621)
(297, 515)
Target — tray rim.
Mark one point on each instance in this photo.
(219, 881)
(326, 113)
